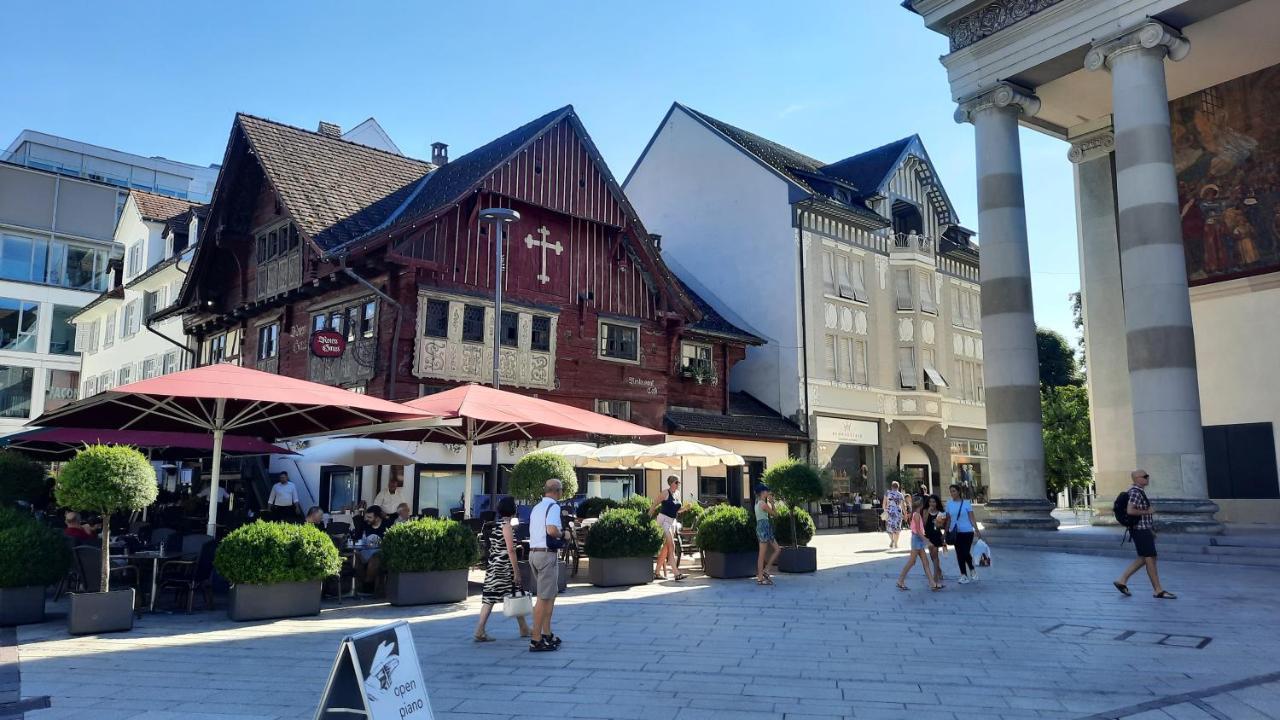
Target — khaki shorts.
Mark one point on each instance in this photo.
(546, 574)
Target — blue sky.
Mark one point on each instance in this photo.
(838, 78)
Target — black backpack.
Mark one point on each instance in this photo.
(1121, 509)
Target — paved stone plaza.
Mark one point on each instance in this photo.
(1042, 635)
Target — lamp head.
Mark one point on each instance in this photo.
(499, 215)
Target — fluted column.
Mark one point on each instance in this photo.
(1168, 437)
(1015, 446)
(1102, 305)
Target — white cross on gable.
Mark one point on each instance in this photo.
(531, 243)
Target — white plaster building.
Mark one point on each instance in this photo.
(117, 340)
(1169, 106)
(858, 275)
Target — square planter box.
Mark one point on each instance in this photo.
(21, 605)
(277, 600)
(616, 572)
(798, 560)
(427, 588)
(730, 565)
(530, 585)
(94, 613)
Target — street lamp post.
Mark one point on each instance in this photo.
(500, 218)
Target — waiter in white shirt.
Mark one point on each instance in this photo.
(282, 503)
(394, 493)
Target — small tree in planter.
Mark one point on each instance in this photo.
(728, 541)
(797, 483)
(639, 503)
(528, 477)
(32, 557)
(427, 561)
(105, 479)
(21, 480)
(276, 569)
(621, 546)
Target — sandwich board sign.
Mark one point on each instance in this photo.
(376, 676)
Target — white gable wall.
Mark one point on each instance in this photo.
(728, 220)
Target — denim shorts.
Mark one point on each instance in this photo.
(919, 543)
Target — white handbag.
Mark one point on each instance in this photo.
(517, 605)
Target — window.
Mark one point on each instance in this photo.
(844, 364)
(170, 362)
(61, 388)
(151, 302)
(926, 294)
(437, 320)
(135, 259)
(15, 391)
(109, 333)
(860, 362)
(510, 335)
(902, 289)
(217, 349)
(368, 313)
(711, 486)
(619, 342)
(620, 409)
(933, 380)
(90, 387)
(105, 382)
(23, 258)
(18, 323)
(318, 322)
(129, 326)
(149, 368)
(268, 341)
(62, 338)
(126, 375)
(336, 321)
(352, 323)
(829, 355)
(856, 288)
(828, 273)
(541, 338)
(473, 324)
(907, 367)
(695, 357)
(957, 319)
(976, 301)
(77, 266)
(979, 389)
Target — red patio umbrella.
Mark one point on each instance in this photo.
(59, 442)
(489, 415)
(228, 398)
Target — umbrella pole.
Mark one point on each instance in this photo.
(466, 498)
(220, 407)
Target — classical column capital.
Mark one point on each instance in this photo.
(1150, 35)
(1004, 95)
(1092, 146)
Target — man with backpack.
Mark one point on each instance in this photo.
(1133, 510)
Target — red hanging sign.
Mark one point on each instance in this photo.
(328, 344)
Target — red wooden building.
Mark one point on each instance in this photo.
(308, 233)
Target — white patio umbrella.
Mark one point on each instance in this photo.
(576, 453)
(355, 452)
(619, 456)
(673, 455)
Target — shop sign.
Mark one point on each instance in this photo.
(328, 343)
(848, 432)
(376, 675)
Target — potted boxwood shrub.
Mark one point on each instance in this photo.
(690, 513)
(797, 483)
(728, 542)
(32, 557)
(639, 503)
(528, 477)
(620, 548)
(21, 480)
(105, 479)
(427, 561)
(275, 569)
(594, 507)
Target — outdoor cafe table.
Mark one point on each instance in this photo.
(155, 556)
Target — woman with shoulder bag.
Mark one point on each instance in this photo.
(961, 529)
(500, 568)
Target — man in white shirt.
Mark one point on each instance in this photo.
(393, 494)
(544, 524)
(222, 494)
(282, 503)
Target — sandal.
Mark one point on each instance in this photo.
(681, 576)
(482, 638)
(902, 587)
(1165, 595)
(766, 581)
(656, 576)
(1124, 589)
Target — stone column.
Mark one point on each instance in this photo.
(1168, 437)
(1102, 300)
(1015, 446)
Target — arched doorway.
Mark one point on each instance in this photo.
(917, 466)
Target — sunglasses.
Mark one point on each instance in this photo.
(1145, 477)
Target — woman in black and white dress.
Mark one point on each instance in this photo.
(499, 574)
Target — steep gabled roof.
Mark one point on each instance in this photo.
(868, 171)
(160, 208)
(334, 190)
(747, 417)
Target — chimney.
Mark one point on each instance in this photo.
(329, 129)
(439, 153)
(656, 239)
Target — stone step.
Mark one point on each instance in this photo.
(1229, 555)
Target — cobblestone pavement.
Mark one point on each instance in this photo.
(1043, 635)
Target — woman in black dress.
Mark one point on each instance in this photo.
(500, 565)
(934, 520)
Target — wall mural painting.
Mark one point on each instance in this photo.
(1227, 151)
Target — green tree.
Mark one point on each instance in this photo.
(1077, 321)
(1068, 449)
(106, 479)
(535, 469)
(21, 479)
(1058, 366)
(796, 482)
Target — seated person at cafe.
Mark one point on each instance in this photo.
(375, 523)
(403, 514)
(315, 516)
(77, 530)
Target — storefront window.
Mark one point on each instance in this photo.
(62, 339)
(61, 389)
(968, 468)
(844, 464)
(18, 323)
(15, 391)
(613, 487)
(445, 489)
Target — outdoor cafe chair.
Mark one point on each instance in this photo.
(188, 576)
(430, 512)
(488, 515)
(191, 545)
(162, 537)
(337, 527)
(89, 566)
